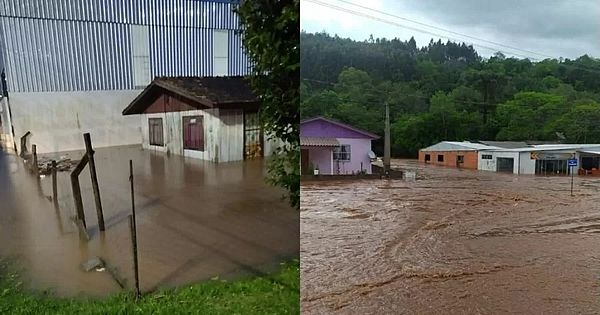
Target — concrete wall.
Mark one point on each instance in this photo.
(470, 158)
(359, 154)
(5, 133)
(491, 164)
(57, 120)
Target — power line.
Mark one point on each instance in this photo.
(446, 30)
(357, 13)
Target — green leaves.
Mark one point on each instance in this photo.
(271, 39)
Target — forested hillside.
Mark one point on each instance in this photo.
(446, 91)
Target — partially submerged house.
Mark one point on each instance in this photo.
(453, 154)
(209, 118)
(72, 66)
(334, 148)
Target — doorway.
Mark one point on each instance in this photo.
(253, 136)
(505, 165)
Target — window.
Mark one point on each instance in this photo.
(140, 50)
(155, 129)
(440, 158)
(220, 52)
(193, 133)
(460, 159)
(342, 153)
(486, 156)
(427, 157)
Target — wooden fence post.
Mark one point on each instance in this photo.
(77, 189)
(98, 201)
(34, 160)
(54, 184)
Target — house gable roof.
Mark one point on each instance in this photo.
(328, 128)
(202, 92)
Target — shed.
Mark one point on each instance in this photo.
(453, 154)
(210, 118)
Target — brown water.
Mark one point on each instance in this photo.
(451, 242)
(195, 220)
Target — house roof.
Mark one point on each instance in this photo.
(458, 146)
(203, 92)
(366, 134)
(553, 147)
(318, 142)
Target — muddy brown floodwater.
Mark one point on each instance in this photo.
(195, 219)
(451, 242)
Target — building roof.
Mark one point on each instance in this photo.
(505, 144)
(364, 133)
(203, 92)
(458, 146)
(553, 147)
(318, 142)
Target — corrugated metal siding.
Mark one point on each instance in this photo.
(60, 45)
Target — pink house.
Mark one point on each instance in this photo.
(334, 148)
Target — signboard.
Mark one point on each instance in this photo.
(547, 155)
(572, 162)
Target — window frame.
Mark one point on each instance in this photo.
(342, 153)
(460, 159)
(440, 158)
(202, 146)
(486, 157)
(151, 127)
(427, 157)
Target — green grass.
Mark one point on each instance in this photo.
(277, 293)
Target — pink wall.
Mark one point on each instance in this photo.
(321, 157)
(360, 149)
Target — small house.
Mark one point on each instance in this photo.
(209, 118)
(462, 154)
(334, 148)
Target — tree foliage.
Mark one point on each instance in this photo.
(446, 91)
(271, 39)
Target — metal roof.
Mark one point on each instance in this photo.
(343, 125)
(551, 147)
(505, 144)
(318, 142)
(458, 146)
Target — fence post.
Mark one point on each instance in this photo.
(77, 189)
(98, 201)
(134, 233)
(34, 160)
(54, 184)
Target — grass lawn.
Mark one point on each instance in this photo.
(278, 293)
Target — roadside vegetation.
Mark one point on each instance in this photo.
(446, 91)
(277, 293)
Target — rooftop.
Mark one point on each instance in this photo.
(203, 92)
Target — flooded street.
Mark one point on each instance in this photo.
(195, 220)
(451, 241)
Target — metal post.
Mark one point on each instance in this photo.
(54, 184)
(386, 148)
(571, 180)
(92, 163)
(134, 233)
(135, 260)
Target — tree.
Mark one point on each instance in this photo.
(271, 40)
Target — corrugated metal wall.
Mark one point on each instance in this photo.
(63, 45)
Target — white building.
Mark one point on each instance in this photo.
(547, 159)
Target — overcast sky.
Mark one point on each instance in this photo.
(558, 28)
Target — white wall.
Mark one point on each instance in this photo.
(173, 133)
(359, 149)
(57, 120)
(527, 164)
(491, 164)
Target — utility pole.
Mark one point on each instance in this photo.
(386, 146)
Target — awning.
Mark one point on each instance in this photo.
(590, 151)
(318, 142)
